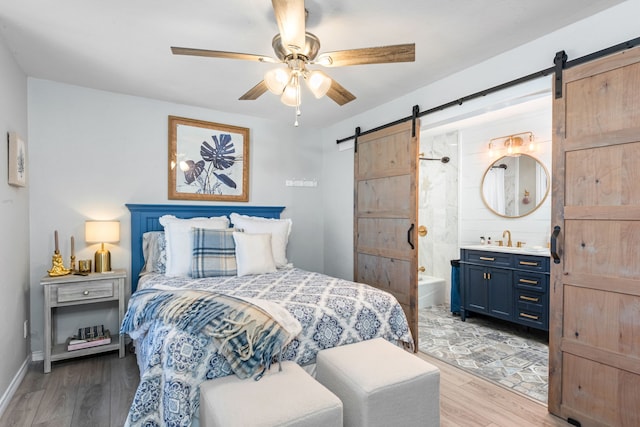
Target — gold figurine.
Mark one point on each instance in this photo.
(57, 268)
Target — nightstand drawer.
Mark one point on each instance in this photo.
(86, 291)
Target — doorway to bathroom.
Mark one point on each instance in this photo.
(453, 213)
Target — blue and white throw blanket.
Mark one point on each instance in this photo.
(174, 358)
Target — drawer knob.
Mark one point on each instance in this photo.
(530, 282)
(485, 258)
(526, 298)
(85, 293)
(534, 264)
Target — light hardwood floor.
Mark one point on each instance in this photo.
(97, 391)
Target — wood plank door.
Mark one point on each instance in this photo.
(594, 337)
(385, 215)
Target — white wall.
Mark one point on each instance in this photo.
(93, 151)
(600, 31)
(14, 226)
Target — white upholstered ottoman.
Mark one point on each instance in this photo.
(290, 397)
(381, 384)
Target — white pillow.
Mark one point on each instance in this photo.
(179, 240)
(280, 229)
(253, 253)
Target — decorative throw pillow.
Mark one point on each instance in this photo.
(280, 229)
(178, 237)
(214, 253)
(253, 253)
(154, 252)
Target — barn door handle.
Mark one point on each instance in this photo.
(409, 236)
(554, 244)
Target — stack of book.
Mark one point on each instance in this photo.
(89, 337)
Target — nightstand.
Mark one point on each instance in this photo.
(75, 290)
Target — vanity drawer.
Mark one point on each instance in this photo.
(531, 314)
(488, 258)
(531, 262)
(531, 300)
(531, 281)
(86, 291)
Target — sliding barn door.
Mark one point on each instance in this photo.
(385, 205)
(594, 335)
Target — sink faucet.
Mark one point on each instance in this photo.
(508, 233)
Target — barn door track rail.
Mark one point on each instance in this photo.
(560, 63)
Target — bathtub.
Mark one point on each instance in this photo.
(431, 291)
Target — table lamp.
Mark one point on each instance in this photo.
(102, 232)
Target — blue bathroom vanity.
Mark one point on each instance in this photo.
(507, 283)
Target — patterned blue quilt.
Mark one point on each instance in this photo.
(332, 312)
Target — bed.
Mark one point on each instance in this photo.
(180, 322)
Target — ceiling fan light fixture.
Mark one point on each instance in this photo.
(318, 83)
(277, 79)
(291, 94)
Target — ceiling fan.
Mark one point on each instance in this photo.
(298, 49)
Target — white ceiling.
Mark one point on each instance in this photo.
(123, 45)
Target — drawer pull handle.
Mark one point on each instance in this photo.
(535, 264)
(85, 293)
(530, 282)
(529, 298)
(485, 258)
(528, 316)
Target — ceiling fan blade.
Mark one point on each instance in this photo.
(255, 92)
(369, 55)
(290, 15)
(221, 54)
(339, 94)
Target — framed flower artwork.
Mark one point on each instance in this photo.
(17, 160)
(208, 161)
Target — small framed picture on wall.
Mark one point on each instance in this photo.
(17, 160)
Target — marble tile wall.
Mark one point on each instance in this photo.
(438, 205)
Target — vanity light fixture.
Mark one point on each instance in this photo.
(513, 144)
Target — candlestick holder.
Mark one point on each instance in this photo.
(57, 266)
(72, 264)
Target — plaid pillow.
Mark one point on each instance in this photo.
(214, 253)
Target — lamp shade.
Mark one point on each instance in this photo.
(277, 79)
(102, 231)
(318, 83)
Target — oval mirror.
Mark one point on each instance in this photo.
(514, 186)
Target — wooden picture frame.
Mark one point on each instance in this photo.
(17, 160)
(208, 161)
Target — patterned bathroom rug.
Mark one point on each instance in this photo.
(509, 355)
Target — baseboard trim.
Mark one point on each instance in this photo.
(13, 386)
(37, 356)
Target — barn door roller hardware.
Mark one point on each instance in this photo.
(560, 60)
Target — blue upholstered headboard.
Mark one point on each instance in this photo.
(145, 218)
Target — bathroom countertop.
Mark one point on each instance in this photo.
(533, 250)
